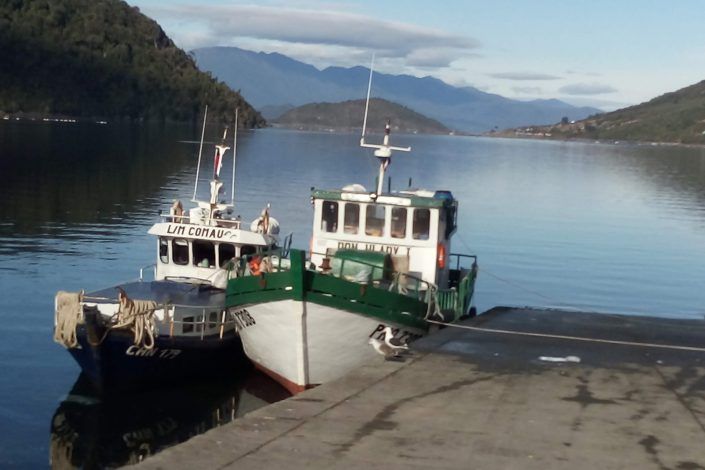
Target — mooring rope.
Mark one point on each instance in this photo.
(68, 314)
(569, 338)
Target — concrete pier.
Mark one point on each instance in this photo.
(497, 396)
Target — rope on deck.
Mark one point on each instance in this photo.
(570, 338)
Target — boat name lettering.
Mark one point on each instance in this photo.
(392, 250)
(402, 335)
(204, 232)
(154, 352)
(243, 319)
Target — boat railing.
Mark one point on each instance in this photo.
(378, 276)
(202, 321)
(210, 221)
(201, 315)
(144, 268)
(456, 299)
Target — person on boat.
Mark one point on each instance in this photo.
(177, 212)
(254, 265)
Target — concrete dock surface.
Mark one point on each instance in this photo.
(509, 393)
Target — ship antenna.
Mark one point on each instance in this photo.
(200, 152)
(232, 191)
(383, 151)
(367, 101)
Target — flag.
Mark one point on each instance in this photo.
(217, 163)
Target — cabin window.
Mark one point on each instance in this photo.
(422, 224)
(226, 252)
(247, 250)
(329, 217)
(398, 222)
(187, 325)
(352, 218)
(212, 319)
(203, 254)
(374, 220)
(164, 250)
(179, 252)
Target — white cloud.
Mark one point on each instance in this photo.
(325, 31)
(527, 90)
(586, 89)
(523, 76)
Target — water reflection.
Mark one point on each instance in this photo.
(93, 431)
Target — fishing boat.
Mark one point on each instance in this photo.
(174, 327)
(380, 266)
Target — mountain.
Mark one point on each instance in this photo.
(102, 58)
(271, 79)
(675, 117)
(348, 115)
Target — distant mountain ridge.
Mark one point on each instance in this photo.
(348, 115)
(269, 80)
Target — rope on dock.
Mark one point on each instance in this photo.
(570, 338)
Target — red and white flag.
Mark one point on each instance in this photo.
(217, 163)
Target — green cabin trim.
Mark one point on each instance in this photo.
(301, 284)
(414, 200)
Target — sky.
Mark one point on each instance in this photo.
(603, 53)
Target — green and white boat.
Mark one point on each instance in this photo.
(378, 259)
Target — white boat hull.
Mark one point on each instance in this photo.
(301, 344)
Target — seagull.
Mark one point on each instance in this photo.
(389, 347)
(392, 342)
(382, 348)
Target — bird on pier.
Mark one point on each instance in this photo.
(389, 347)
(393, 342)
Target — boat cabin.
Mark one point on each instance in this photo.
(414, 227)
(196, 248)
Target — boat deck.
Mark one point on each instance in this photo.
(179, 293)
(494, 396)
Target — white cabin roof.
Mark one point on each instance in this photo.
(211, 233)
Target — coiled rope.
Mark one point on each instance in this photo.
(68, 314)
(136, 315)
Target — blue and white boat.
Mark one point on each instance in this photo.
(174, 327)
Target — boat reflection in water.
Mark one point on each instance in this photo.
(89, 430)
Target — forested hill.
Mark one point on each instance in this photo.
(348, 115)
(676, 117)
(102, 58)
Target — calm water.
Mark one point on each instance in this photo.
(586, 226)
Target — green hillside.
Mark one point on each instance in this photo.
(102, 58)
(348, 115)
(677, 117)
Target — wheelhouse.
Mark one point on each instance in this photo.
(413, 227)
(195, 251)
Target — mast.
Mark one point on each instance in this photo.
(200, 152)
(383, 151)
(232, 189)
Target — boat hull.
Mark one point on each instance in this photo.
(301, 344)
(116, 363)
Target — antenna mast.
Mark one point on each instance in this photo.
(200, 152)
(367, 101)
(383, 151)
(232, 190)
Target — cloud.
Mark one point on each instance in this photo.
(522, 76)
(527, 90)
(587, 89)
(211, 25)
